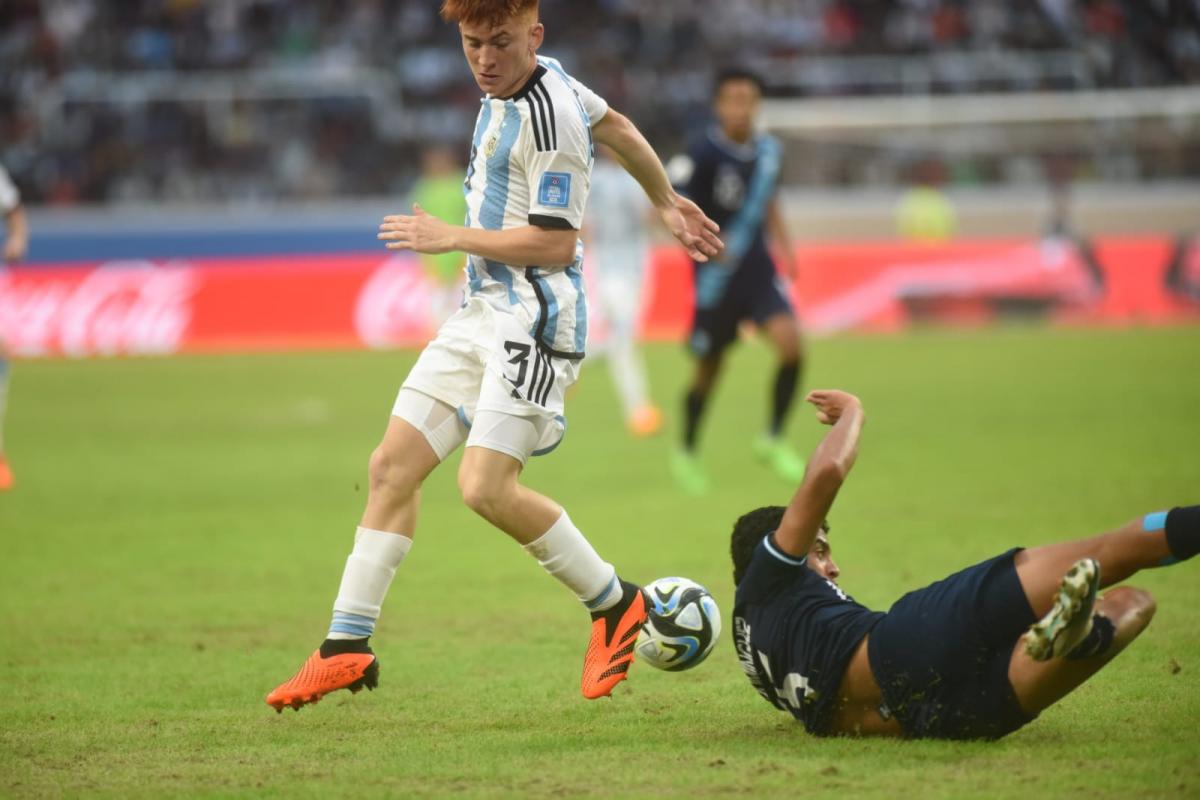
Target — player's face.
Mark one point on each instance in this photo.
(736, 106)
(502, 56)
(820, 559)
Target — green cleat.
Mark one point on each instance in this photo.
(688, 473)
(780, 457)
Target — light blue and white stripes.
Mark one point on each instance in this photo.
(782, 556)
(596, 601)
(352, 624)
(495, 192)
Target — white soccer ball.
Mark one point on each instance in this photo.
(682, 625)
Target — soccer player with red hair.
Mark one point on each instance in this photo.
(495, 376)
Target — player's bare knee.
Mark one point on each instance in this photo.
(1142, 607)
(386, 472)
(1130, 610)
(483, 494)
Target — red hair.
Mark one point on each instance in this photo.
(490, 12)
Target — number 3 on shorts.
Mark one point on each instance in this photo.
(542, 378)
(520, 357)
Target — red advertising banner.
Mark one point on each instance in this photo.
(374, 300)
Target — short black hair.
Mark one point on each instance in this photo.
(738, 73)
(749, 530)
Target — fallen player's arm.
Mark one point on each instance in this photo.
(827, 469)
(683, 218)
(528, 245)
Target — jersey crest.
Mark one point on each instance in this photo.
(728, 188)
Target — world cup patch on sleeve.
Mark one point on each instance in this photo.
(555, 190)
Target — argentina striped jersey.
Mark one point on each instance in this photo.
(531, 161)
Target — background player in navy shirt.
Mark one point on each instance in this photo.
(732, 173)
(966, 657)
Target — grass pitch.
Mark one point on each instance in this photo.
(179, 529)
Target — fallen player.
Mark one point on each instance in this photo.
(976, 655)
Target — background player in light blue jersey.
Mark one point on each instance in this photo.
(496, 374)
(16, 243)
(732, 172)
(618, 249)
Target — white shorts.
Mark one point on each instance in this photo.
(507, 391)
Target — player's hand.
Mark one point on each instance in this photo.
(692, 228)
(419, 232)
(832, 404)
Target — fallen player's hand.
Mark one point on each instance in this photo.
(420, 232)
(831, 404)
(692, 228)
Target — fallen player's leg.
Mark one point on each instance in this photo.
(1039, 684)
(1120, 553)
(1068, 646)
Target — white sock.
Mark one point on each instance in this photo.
(566, 555)
(629, 374)
(369, 571)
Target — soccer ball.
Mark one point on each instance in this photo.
(682, 626)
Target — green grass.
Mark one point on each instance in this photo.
(179, 529)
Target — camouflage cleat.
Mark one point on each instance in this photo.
(1069, 621)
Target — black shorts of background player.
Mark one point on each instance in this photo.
(976, 655)
(732, 172)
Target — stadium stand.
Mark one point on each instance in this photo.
(134, 101)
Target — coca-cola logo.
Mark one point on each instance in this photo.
(394, 305)
(119, 308)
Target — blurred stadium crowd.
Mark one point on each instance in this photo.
(197, 100)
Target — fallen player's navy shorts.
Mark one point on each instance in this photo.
(941, 654)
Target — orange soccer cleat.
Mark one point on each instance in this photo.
(610, 651)
(6, 476)
(645, 421)
(320, 676)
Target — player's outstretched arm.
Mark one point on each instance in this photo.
(528, 244)
(827, 469)
(683, 218)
